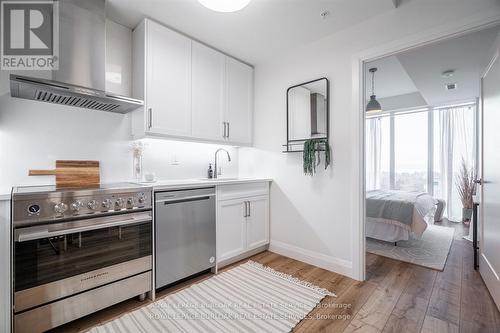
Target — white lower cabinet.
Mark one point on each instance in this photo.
(242, 223)
(257, 222)
(231, 229)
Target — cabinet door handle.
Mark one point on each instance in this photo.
(245, 214)
(150, 117)
(249, 209)
(227, 130)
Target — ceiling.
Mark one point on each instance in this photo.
(389, 70)
(420, 70)
(263, 28)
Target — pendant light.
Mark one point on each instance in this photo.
(373, 105)
(225, 6)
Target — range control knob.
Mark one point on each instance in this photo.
(130, 201)
(75, 206)
(60, 208)
(106, 204)
(119, 203)
(92, 204)
(33, 209)
(141, 199)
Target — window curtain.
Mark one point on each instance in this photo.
(373, 153)
(456, 143)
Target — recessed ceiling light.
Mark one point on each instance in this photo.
(451, 86)
(225, 6)
(325, 14)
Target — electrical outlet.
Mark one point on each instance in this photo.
(174, 160)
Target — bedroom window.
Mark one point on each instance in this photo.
(421, 150)
(455, 138)
(411, 151)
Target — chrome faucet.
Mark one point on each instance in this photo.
(216, 171)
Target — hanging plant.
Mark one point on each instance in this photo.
(311, 156)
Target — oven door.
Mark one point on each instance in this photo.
(57, 260)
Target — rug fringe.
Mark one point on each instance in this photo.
(292, 279)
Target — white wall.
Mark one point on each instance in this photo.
(312, 218)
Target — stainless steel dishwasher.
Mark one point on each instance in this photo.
(184, 234)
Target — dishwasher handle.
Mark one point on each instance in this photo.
(176, 199)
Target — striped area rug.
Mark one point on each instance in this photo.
(247, 298)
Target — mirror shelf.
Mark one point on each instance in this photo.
(298, 147)
(307, 115)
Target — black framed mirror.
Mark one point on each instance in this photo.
(308, 112)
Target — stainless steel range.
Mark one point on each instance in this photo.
(76, 251)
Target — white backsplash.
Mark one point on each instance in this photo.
(178, 159)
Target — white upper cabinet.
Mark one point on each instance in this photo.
(208, 92)
(239, 97)
(191, 91)
(168, 81)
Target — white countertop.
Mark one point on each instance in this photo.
(182, 183)
(5, 193)
(176, 183)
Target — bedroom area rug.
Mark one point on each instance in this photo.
(429, 251)
(247, 298)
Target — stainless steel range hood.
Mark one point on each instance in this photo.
(80, 79)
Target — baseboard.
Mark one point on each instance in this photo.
(321, 260)
(242, 256)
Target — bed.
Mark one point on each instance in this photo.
(398, 215)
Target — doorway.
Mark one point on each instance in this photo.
(421, 137)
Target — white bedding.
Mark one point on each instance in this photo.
(394, 231)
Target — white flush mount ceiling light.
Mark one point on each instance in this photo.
(448, 73)
(225, 6)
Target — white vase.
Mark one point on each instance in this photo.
(138, 167)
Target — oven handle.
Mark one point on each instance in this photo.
(34, 233)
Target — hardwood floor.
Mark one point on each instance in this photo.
(396, 297)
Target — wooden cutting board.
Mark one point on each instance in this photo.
(73, 173)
